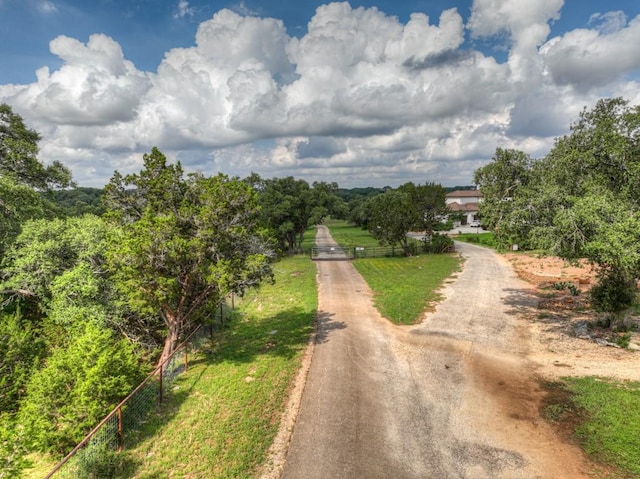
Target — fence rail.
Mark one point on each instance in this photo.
(339, 253)
(92, 454)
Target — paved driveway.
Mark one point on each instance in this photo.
(450, 398)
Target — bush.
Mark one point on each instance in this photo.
(439, 243)
(78, 385)
(12, 452)
(21, 350)
(614, 292)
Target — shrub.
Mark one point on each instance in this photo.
(78, 385)
(614, 292)
(439, 243)
(21, 350)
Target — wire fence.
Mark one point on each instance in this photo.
(94, 457)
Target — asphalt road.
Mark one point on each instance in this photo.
(449, 398)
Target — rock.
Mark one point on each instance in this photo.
(581, 330)
(604, 342)
(633, 347)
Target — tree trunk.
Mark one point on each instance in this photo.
(174, 329)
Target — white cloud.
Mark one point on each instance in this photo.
(588, 59)
(183, 10)
(361, 98)
(46, 6)
(95, 85)
(608, 22)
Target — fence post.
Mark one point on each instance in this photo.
(120, 431)
(160, 395)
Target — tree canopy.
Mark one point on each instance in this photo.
(23, 175)
(393, 214)
(580, 201)
(289, 206)
(181, 244)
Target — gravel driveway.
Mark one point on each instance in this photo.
(453, 397)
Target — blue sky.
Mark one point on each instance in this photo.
(363, 93)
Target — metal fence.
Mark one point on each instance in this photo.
(339, 253)
(94, 457)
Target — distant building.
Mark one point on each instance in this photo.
(466, 202)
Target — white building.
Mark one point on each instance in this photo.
(466, 202)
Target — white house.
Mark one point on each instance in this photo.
(466, 202)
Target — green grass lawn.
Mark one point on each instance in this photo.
(349, 236)
(405, 287)
(607, 414)
(226, 410)
(482, 239)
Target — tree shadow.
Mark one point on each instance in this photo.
(526, 303)
(326, 325)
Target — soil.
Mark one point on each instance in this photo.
(555, 347)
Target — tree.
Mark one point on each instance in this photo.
(58, 267)
(503, 184)
(581, 201)
(21, 350)
(22, 175)
(78, 385)
(392, 218)
(290, 206)
(180, 245)
(428, 203)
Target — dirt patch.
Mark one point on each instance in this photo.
(563, 312)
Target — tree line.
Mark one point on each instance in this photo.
(581, 201)
(98, 285)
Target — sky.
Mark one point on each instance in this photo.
(366, 93)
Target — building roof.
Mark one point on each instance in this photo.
(465, 194)
(467, 207)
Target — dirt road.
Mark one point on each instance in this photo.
(453, 397)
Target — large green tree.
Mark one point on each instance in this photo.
(23, 176)
(392, 218)
(504, 184)
(182, 243)
(580, 201)
(393, 214)
(289, 206)
(427, 204)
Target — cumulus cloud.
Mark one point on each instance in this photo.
(361, 97)
(591, 58)
(95, 85)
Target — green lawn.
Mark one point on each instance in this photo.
(482, 239)
(405, 288)
(607, 414)
(349, 236)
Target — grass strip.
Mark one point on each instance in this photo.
(224, 412)
(348, 236)
(482, 239)
(610, 432)
(406, 287)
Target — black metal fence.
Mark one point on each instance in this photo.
(90, 458)
(340, 253)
